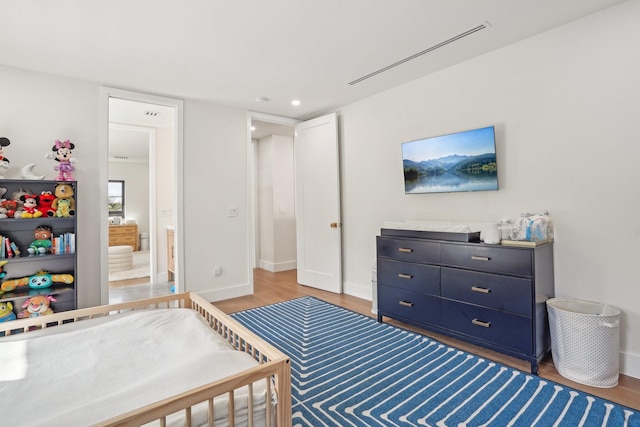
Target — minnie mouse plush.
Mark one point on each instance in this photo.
(62, 154)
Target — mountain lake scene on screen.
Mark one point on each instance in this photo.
(463, 161)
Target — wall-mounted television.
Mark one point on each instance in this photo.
(461, 161)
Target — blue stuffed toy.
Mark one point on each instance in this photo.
(6, 312)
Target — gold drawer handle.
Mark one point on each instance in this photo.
(405, 276)
(481, 290)
(405, 303)
(480, 258)
(481, 323)
(405, 250)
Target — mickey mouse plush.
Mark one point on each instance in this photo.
(4, 162)
(30, 206)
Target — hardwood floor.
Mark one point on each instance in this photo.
(270, 288)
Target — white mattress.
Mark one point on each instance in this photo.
(84, 372)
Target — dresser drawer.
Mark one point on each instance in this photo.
(414, 277)
(407, 305)
(495, 327)
(121, 240)
(408, 250)
(491, 259)
(123, 230)
(505, 293)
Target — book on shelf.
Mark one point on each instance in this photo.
(64, 244)
(8, 249)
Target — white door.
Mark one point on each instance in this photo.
(317, 201)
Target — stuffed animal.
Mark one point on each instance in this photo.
(62, 154)
(46, 201)
(6, 312)
(3, 211)
(64, 193)
(2, 272)
(64, 208)
(10, 207)
(30, 204)
(4, 162)
(40, 280)
(42, 243)
(39, 305)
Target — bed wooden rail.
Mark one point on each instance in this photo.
(274, 366)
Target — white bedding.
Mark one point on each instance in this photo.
(81, 373)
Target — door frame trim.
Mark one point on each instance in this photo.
(178, 214)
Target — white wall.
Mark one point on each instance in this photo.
(565, 106)
(164, 196)
(265, 232)
(215, 179)
(136, 188)
(276, 216)
(37, 109)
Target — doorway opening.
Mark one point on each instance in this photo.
(316, 200)
(144, 154)
(275, 222)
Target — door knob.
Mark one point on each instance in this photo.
(335, 225)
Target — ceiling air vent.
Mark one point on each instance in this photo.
(121, 157)
(427, 50)
(151, 113)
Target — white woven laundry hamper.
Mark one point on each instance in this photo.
(585, 341)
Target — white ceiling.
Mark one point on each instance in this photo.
(236, 52)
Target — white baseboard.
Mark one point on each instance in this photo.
(362, 291)
(226, 293)
(630, 364)
(279, 266)
(357, 290)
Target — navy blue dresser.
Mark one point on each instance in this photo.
(489, 295)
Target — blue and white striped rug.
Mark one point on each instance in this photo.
(349, 370)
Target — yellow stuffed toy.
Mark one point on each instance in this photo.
(64, 204)
(40, 280)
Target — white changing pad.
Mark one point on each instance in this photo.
(434, 225)
(88, 371)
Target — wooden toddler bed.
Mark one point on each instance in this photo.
(172, 360)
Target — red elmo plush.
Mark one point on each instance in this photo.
(46, 200)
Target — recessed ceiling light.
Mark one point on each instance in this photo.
(295, 102)
(253, 128)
